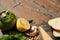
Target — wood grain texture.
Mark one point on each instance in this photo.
(38, 10)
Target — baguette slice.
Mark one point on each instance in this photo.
(55, 23)
(56, 33)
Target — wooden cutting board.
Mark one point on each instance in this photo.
(44, 34)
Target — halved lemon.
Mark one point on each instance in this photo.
(22, 25)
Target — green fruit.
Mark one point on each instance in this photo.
(7, 22)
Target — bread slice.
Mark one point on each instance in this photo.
(56, 33)
(55, 23)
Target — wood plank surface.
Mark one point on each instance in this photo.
(40, 11)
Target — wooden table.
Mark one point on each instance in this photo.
(38, 10)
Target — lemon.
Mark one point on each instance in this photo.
(22, 25)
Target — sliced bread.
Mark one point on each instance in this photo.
(56, 33)
(55, 23)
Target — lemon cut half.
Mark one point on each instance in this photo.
(22, 25)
